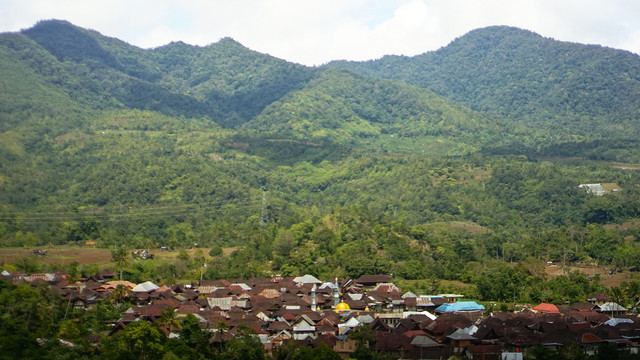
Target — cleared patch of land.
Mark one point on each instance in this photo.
(570, 160)
(608, 278)
(624, 226)
(58, 255)
(65, 254)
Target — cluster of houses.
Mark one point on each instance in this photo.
(402, 325)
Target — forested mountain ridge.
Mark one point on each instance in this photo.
(100, 140)
(230, 85)
(224, 81)
(571, 89)
(349, 109)
(566, 91)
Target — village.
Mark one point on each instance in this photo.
(312, 312)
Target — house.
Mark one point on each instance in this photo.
(595, 189)
(306, 279)
(303, 328)
(611, 308)
(484, 352)
(460, 340)
(546, 308)
(459, 306)
(345, 347)
(370, 281)
(145, 287)
(600, 189)
(598, 298)
(281, 311)
(469, 309)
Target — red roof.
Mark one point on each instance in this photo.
(547, 308)
(588, 338)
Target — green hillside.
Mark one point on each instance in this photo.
(314, 170)
(366, 113)
(224, 82)
(574, 91)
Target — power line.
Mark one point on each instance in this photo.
(128, 208)
(126, 214)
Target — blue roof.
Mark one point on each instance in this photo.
(460, 306)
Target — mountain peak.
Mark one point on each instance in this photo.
(229, 42)
(69, 42)
(49, 24)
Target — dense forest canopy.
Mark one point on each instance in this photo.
(564, 87)
(423, 167)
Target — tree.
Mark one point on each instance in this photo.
(183, 255)
(632, 291)
(181, 234)
(501, 283)
(139, 340)
(292, 351)
(169, 319)
(215, 251)
(191, 332)
(119, 294)
(285, 242)
(244, 346)
(364, 338)
(121, 257)
(616, 294)
(199, 258)
(144, 242)
(220, 328)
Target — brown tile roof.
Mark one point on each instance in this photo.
(447, 323)
(328, 339)
(277, 326)
(582, 306)
(413, 333)
(391, 342)
(594, 317)
(270, 293)
(189, 309)
(598, 297)
(370, 280)
(326, 328)
(167, 303)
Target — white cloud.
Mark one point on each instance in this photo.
(314, 32)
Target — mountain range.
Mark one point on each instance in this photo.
(516, 74)
(91, 122)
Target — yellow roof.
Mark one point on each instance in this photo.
(342, 306)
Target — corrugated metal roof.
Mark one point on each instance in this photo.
(146, 286)
(460, 306)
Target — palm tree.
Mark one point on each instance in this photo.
(632, 290)
(146, 243)
(119, 294)
(169, 319)
(616, 294)
(120, 256)
(221, 328)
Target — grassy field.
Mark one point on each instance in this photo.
(65, 254)
(59, 255)
(85, 255)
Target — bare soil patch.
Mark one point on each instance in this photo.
(608, 277)
(624, 226)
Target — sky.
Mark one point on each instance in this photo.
(312, 32)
